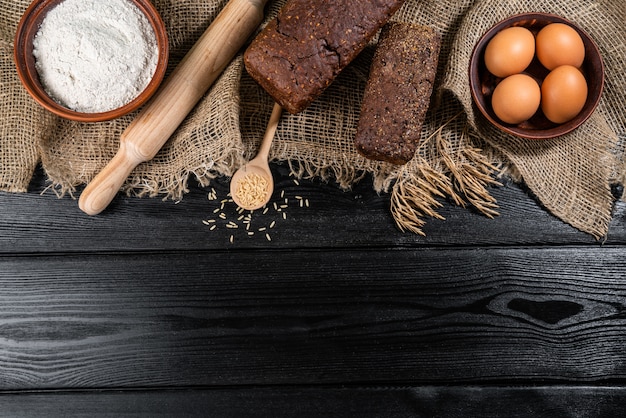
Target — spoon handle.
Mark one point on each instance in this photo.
(266, 142)
(180, 92)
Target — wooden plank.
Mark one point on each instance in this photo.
(302, 402)
(313, 317)
(36, 223)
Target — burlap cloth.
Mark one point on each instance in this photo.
(460, 158)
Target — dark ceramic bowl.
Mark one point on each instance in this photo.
(482, 83)
(25, 62)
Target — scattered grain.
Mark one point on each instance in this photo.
(236, 217)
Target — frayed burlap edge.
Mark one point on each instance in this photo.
(206, 145)
(441, 170)
(222, 103)
(570, 175)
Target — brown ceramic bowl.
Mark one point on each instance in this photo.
(25, 62)
(482, 83)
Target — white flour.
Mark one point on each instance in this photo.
(95, 55)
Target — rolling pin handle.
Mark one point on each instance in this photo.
(177, 96)
(104, 187)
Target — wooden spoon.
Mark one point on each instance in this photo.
(251, 187)
(180, 92)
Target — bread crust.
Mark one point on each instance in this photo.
(300, 52)
(398, 92)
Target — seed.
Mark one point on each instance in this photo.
(252, 190)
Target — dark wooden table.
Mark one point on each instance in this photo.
(325, 310)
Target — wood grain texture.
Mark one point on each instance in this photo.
(145, 310)
(41, 223)
(285, 402)
(315, 317)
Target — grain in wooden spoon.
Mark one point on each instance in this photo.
(251, 187)
(180, 92)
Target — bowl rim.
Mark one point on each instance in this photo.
(30, 78)
(535, 134)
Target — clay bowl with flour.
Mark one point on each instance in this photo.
(30, 76)
(538, 127)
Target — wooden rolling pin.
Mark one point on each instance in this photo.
(179, 93)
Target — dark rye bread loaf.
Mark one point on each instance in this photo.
(398, 91)
(300, 52)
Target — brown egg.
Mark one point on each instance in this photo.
(516, 98)
(563, 93)
(510, 51)
(559, 44)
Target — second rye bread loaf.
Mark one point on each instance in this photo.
(398, 91)
(301, 51)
